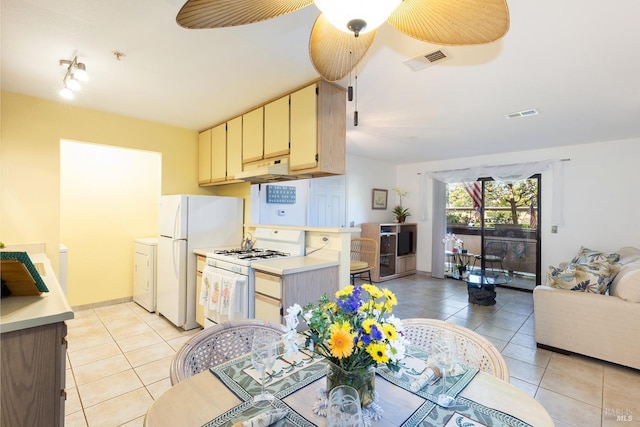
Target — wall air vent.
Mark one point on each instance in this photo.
(423, 61)
(524, 113)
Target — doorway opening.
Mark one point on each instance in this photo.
(108, 197)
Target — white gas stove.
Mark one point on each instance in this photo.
(234, 263)
(268, 244)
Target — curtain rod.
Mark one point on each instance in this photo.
(512, 164)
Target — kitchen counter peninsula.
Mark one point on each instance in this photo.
(22, 312)
(34, 347)
(291, 265)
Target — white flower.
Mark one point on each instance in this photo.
(291, 319)
(396, 350)
(289, 339)
(397, 323)
(307, 316)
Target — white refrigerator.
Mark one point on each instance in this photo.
(186, 223)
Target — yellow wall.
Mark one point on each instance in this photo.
(30, 169)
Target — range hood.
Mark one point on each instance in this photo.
(269, 171)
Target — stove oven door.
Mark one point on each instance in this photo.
(227, 295)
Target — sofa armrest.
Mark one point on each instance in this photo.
(600, 326)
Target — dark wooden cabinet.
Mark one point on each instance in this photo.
(33, 364)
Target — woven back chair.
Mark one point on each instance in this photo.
(217, 344)
(364, 257)
(473, 349)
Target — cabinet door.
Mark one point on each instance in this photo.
(234, 147)
(304, 129)
(276, 128)
(253, 135)
(204, 157)
(267, 308)
(219, 153)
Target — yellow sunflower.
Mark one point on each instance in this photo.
(344, 292)
(390, 331)
(377, 352)
(373, 290)
(391, 298)
(340, 343)
(368, 323)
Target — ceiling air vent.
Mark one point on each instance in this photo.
(524, 113)
(423, 61)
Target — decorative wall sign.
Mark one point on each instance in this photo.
(379, 199)
(281, 194)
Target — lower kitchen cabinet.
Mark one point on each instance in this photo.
(275, 293)
(33, 375)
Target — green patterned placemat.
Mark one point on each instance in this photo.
(23, 257)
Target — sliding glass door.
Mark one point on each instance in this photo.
(498, 224)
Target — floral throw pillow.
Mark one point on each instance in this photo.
(594, 277)
(589, 256)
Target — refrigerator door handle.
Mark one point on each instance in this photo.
(176, 255)
(176, 221)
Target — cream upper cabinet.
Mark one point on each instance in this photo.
(308, 126)
(304, 129)
(253, 135)
(276, 128)
(204, 157)
(219, 153)
(318, 130)
(234, 147)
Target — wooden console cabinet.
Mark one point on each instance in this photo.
(397, 247)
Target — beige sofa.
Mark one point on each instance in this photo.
(605, 326)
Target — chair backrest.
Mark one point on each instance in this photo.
(364, 249)
(495, 248)
(217, 344)
(473, 349)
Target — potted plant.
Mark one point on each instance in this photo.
(401, 213)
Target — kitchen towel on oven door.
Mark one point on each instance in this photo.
(233, 297)
(213, 283)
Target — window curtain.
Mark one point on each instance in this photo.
(502, 173)
(439, 228)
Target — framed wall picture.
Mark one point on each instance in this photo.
(379, 199)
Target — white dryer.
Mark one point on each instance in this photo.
(144, 272)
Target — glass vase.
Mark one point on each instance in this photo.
(362, 379)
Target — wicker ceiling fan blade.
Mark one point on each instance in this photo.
(329, 49)
(229, 13)
(457, 22)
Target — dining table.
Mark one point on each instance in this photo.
(221, 397)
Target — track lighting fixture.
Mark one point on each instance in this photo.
(76, 72)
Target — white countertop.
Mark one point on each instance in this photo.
(18, 313)
(291, 265)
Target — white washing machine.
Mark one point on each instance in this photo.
(144, 272)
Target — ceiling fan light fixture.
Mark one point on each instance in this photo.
(342, 14)
(80, 73)
(76, 72)
(66, 93)
(72, 84)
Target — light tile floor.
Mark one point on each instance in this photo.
(119, 356)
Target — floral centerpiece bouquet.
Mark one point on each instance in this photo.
(355, 333)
